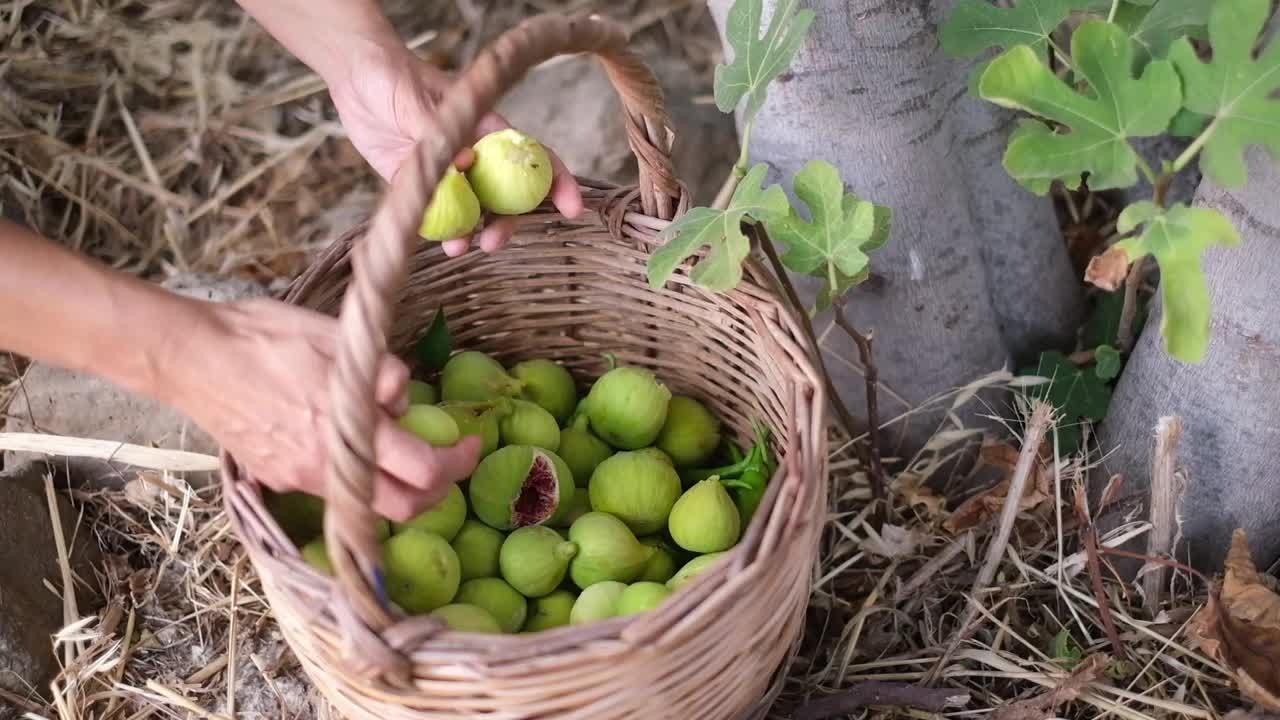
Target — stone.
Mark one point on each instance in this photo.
(55, 400)
(29, 613)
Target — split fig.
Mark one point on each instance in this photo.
(607, 550)
(520, 485)
(498, 598)
(421, 570)
(641, 597)
(534, 560)
(690, 434)
(597, 602)
(477, 546)
(705, 519)
(467, 618)
(511, 173)
(475, 376)
(581, 450)
(691, 570)
(529, 424)
(454, 210)
(627, 407)
(432, 424)
(478, 418)
(548, 384)
(637, 488)
(445, 518)
(550, 611)
(423, 393)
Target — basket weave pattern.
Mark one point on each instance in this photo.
(569, 290)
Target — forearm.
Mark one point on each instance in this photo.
(68, 310)
(327, 35)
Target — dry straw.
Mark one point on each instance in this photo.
(567, 290)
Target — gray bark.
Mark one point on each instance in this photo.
(975, 275)
(1230, 448)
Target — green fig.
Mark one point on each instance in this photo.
(581, 450)
(705, 518)
(662, 565)
(627, 407)
(690, 434)
(467, 618)
(432, 424)
(423, 393)
(637, 488)
(496, 595)
(607, 550)
(477, 546)
(521, 485)
(579, 506)
(421, 570)
(445, 518)
(550, 611)
(512, 172)
(529, 424)
(597, 602)
(300, 514)
(479, 418)
(641, 597)
(657, 453)
(691, 570)
(534, 559)
(316, 554)
(475, 376)
(454, 210)
(548, 384)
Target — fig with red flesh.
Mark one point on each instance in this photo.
(521, 485)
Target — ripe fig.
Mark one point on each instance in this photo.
(597, 602)
(607, 550)
(475, 376)
(637, 488)
(548, 384)
(423, 393)
(432, 424)
(579, 506)
(529, 424)
(655, 452)
(550, 611)
(705, 519)
(534, 559)
(581, 450)
(478, 418)
(627, 407)
(496, 596)
(454, 210)
(445, 518)
(511, 173)
(520, 485)
(641, 597)
(477, 546)
(421, 570)
(691, 570)
(662, 565)
(316, 554)
(691, 433)
(467, 618)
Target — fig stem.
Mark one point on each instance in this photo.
(566, 550)
(611, 359)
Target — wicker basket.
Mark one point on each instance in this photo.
(567, 290)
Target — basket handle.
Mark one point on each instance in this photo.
(379, 261)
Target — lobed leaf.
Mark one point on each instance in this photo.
(1155, 27)
(1076, 394)
(1178, 239)
(1233, 88)
(976, 25)
(758, 61)
(1099, 125)
(842, 229)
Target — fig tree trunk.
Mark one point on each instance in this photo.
(975, 275)
(1230, 444)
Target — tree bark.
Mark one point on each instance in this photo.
(1230, 446)
(975, 275)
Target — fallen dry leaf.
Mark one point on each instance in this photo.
(987, 504)
(1240, 626)
(913, 491)
(1108, 270)
(1037, 708)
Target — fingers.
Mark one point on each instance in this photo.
(496, 234)
(565, 193)
(405, 457)
(391, 385)
(464, 158)
(398, 502)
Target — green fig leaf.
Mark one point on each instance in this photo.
(843, 228)
(721, 230)
(1237, 91)
(975, 25)
(1106, 362)
(1155, 27)
(1178, 238)
(433, 349)
(1100, 124)
(1074, 393)
(758, 61)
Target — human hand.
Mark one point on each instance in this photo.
(383, 105)
(269, 406)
